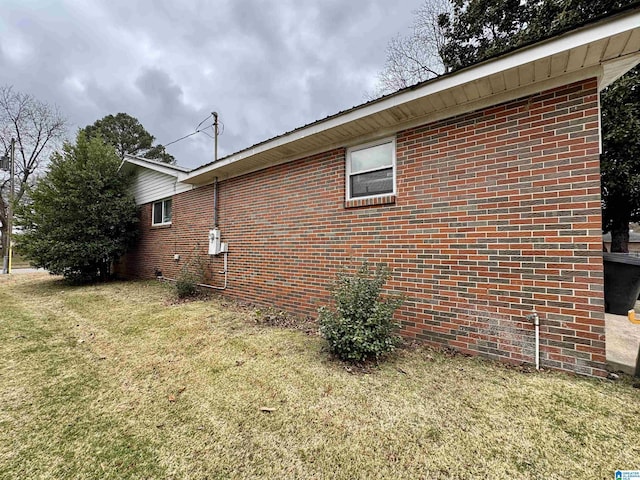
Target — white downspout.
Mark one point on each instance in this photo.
(536, 322)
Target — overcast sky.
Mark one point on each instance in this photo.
(265, 66)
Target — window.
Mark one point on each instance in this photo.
(162, 212)
(371, 169)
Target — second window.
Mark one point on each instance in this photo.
(162, 212)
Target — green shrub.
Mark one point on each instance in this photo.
(362, 325)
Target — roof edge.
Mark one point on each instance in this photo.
(623, 21)
(169, 169)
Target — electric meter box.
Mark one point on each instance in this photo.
(215, 246)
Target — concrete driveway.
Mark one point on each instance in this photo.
(623, 343)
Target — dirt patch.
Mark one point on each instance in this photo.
(279, 318)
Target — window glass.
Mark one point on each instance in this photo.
(372, 158)
(157, 213)
(161, 212)
(371, 169)
(372, 183)
(166, 217)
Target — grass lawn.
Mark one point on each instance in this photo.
(114, 381)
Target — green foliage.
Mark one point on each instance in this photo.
(158, 152)
(81, 216)
(128, 136)
(362, 325)
(479, 29)
(551, 17)
(620, 160)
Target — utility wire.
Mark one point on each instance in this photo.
(199, 130)
(206, 118)
(189, 135)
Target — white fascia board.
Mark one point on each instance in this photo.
(530, 54)
(166, 169)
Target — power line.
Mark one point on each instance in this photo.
(189, 135)
(199, 130)
(203, 121)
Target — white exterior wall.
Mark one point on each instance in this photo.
(150, 186)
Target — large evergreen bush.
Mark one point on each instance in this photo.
(81, 215)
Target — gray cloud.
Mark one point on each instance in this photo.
(266, 66)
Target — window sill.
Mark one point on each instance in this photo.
(160, 225)
(369, 202)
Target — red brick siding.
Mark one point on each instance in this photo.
(497, 212)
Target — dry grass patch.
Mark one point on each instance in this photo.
(18, 261)
(112, 381)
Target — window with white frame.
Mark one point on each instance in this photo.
(162, 212)
(371, 169)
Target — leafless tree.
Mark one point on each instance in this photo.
(415, 57)
(38, 128)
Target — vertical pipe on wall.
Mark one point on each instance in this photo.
(536, 321)
(215, 203)
(535, 318)
(215, 136)
(215, 159)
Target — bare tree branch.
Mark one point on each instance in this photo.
(416, 57)
(38, 129)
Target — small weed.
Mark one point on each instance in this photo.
(191, 275)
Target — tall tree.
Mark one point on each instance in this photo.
(478, 29)
(38, 128)
(447, 35)
(555, 16)
(128, 136)
(620, 160)
(82, 215)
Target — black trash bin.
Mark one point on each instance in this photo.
(621, 282)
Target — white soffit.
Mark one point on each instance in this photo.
(604, 50)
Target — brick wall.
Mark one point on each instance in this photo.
(497, 213)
